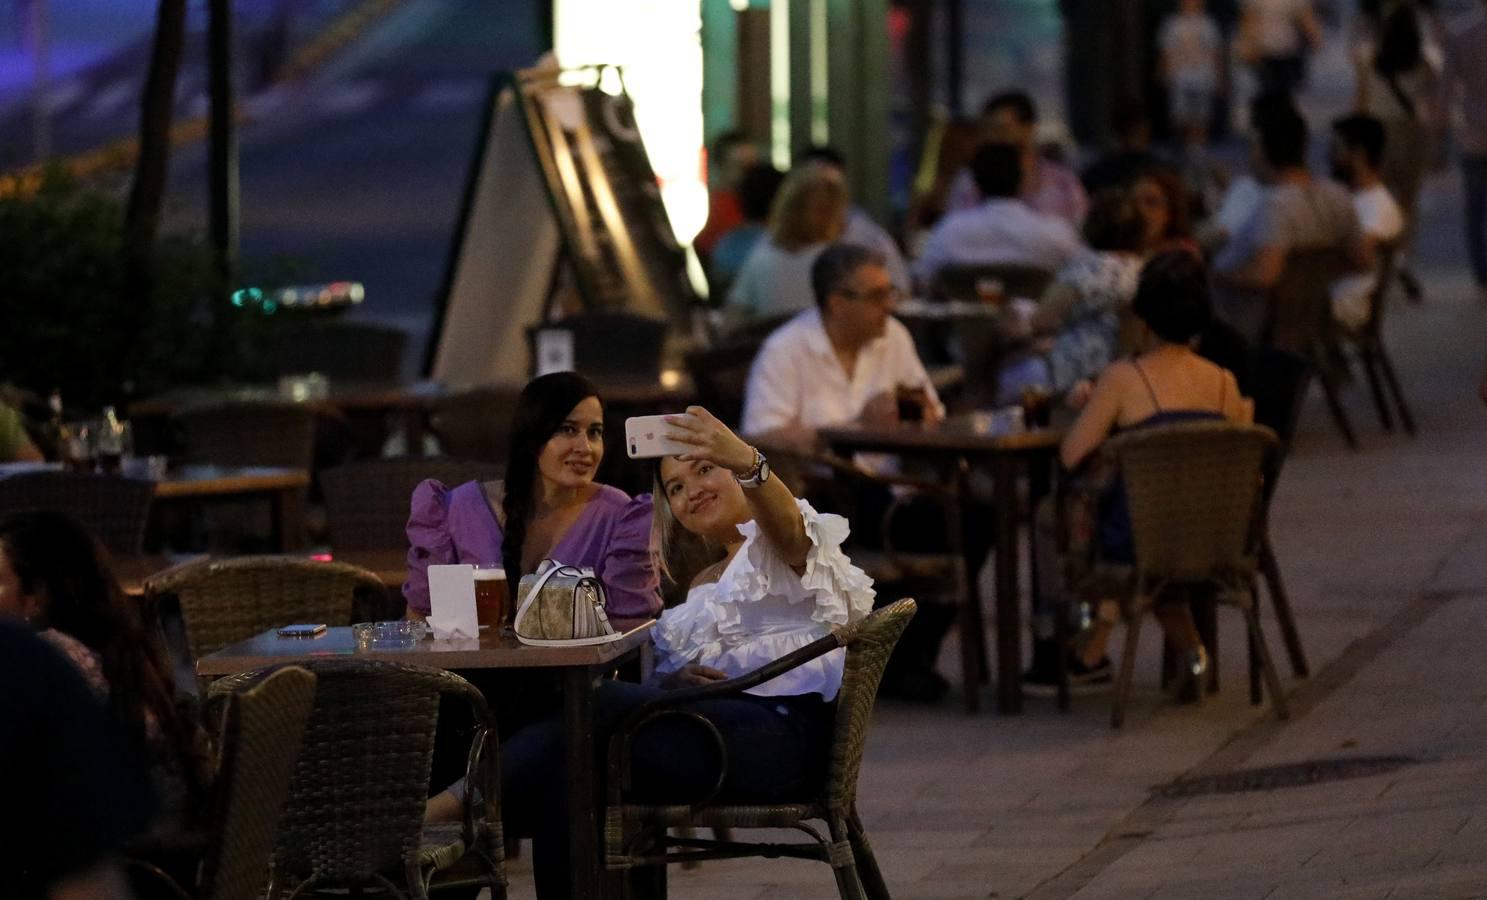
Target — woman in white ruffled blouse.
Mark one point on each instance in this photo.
(782, 583)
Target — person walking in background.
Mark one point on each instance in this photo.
(1192, 53)
(1466, 87)
(1274, 38)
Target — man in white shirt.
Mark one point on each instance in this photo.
(1003, 229)
(1357, 148)
(840, 362)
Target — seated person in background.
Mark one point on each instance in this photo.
(732, 155)
(549, 507)
(1357, 149)
(73, 798)
(1131, 155)
(755, 194)
(56, 578)
(1003, 229)
(1166, 383)
(15, 444)
(1048, 187)
(1166, 207)
(840, 363)
(779, 581)
(1298, 213)
(809, 213)
(861, 229)
(1082, 309)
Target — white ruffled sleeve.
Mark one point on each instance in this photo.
(841, 592)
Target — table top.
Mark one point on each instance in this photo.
(961, 434)
(491, 651)
(205, 481)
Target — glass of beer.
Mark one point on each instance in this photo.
(491, 596)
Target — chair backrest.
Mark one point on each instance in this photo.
(1300, 303)
(611, 344)
(230, 600)
(359, 351)
(261, 739)
(1195, 494)
(1278, 382)
(366, 503)
(356, 800)
(721, 376)
(476, 423)
(869, 643)
(249, 433)
(114, 508)
(959, 282)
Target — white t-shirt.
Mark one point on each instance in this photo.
(1383, 221)
(1279, 25)
(1190, 43)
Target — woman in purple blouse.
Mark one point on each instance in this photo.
(549, 507)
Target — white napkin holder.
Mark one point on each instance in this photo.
(452, 603)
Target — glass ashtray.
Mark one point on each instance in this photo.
(387, 635)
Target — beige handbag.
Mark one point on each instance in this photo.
(562, 606)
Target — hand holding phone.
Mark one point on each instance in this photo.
(647, 437)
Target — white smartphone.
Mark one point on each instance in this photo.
(646, 438)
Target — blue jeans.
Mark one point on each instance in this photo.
(777, 751)
(1474, 177)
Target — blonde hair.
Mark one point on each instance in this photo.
(677, 555)
(811, 208)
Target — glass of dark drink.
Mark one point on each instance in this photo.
(491, 596)
(75, 446)
(1037, 407)
(911, 403)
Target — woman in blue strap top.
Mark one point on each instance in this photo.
(1167, 382)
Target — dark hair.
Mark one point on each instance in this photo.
(824, 153)
(1283, 139)
(1114, 222)
(1172, 297)
(1400, 47)
(1363, 132)
(1266, 105)
(1018, 102)
(756, 190)
(997, 170)
(55, 557)
(543, 405)
(1179, 204)
(835, 267)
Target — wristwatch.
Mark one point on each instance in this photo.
(757, 475)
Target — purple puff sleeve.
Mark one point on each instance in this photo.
(628, 575)
(430, 542)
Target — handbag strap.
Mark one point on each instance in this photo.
(536, 590)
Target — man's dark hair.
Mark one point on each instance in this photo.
(1114, 223)
(757, 189)
(1283, 139)
(1173, 297)
(1018, 102)
(1362, 132)
(997, 169)
(1266, 105)
(835, 267)
(824, 153)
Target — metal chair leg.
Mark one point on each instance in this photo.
(1270, 568)
(1256, 697)
(1380, 402)
(1334, 405)
(1387, 365)
(843, 861)
(1127, 669)
(868, 872)
(1267, 665)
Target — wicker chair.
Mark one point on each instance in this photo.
(1299, 319)
(1197, 512)
(1368, 343)
(262, 732)
(115, 509)
(366, 503)
(226, 601)
(636, 835)
(476, 423)
(249, 433)
(354, 818)
(959, 282)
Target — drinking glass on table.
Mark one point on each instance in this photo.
(491, 596)
(912, 401)
(76, 447)
(113, 441)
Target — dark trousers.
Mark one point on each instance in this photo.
(776, 753)
(1474, 178)
(1281, 73)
